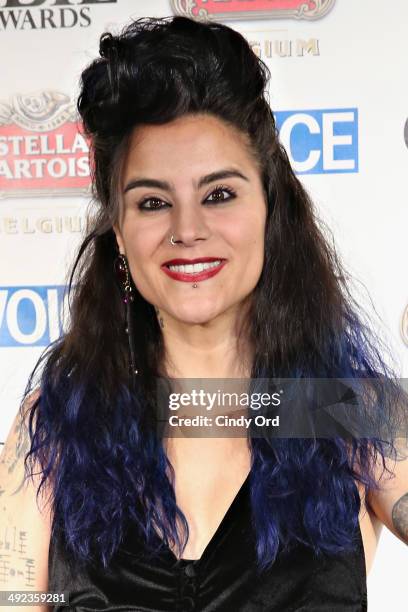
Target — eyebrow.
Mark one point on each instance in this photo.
(204, 180)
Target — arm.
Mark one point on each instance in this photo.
(390, 504)
(25, 527)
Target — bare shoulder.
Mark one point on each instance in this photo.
(25, 519)
(390, 501)
(380, 507)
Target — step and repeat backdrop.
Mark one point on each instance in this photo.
(339, 94)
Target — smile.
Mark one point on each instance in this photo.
(194, 272)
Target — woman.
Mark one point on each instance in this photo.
(187, 166)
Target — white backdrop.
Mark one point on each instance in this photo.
(339, 92)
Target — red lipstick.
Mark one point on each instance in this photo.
(191, 277)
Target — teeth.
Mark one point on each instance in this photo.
(194, 268)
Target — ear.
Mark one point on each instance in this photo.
(119, 240)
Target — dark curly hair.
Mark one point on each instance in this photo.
(93, 434)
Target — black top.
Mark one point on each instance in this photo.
(222, 580)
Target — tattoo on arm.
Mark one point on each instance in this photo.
(14, 561)
(400, 517)
(12, 456)
(23, 443)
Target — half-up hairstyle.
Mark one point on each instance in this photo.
(95, 438)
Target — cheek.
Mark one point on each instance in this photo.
(248, 236)
(137, 243)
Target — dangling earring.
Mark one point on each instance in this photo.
(122, 274)
(161, 322)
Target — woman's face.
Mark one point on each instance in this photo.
(167, 189)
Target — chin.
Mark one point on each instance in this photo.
(198, 315)
(195, 320)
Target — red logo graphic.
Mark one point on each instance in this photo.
(252, 9)
(42, 151)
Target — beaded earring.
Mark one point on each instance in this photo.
(122, 274)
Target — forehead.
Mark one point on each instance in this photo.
(191, 141)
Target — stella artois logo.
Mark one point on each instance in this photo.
(42, 151)
(206, 10)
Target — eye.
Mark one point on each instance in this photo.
(219, 190)
(156, 206)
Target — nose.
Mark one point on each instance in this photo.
(188, 225)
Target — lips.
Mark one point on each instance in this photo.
(185, 262)
(189, 277)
